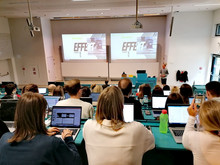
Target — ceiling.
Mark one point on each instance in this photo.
(101, 8)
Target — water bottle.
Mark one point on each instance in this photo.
(163, 122)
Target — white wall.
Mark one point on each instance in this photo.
(120, 25)
(189, 46)
(28, 53)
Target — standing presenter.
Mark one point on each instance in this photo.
(163, 74)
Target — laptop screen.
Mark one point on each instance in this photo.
(166, 92)
(94, 96)
(128, 112)
(159, 102)
(178, 114)
(52, 100)
(42, 90)
(86, 99)
(66, 116)
(7, 109)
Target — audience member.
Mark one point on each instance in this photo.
(106, 84)
(174, 89)
(213, 90)
(145, 89)
(125, 85)
(173, 98)
(157, 91)
(96, 88)
(3, 128)
(166, 87)
(86, 92)
(51, 87)
(205, 145)
(73, 88)
(186, 92)
(10, 90)
(109, 140)
(58, 91)
(30, 88)
(30, 144)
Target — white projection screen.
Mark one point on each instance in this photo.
(84, 46)
(134, 46)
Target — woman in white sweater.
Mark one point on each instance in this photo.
(109, 140)
(205, 145)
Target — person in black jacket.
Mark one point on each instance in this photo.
(3, 128)
(30, 142)
(125, 85)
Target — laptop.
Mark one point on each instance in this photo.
(86, 99)
(66, 95)
(178, 116)
(7, 112)
(166, 92)
(52, 100)
(128, 112)
(94, 96)
(42, 90)
(66, 117)
(158, 104)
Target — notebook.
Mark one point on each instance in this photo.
(52, 100)
(128, 112)
(178, 116)
(42, 90)
(158, 103)
(66, 117)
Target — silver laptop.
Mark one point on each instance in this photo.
(66, 117)
(52, 100)
(158, 103)
(178, 116)
(128, 112)
(42, 90)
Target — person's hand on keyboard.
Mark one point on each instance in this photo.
(52, 131)
(66, 133)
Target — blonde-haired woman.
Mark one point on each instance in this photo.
(205, 145)
(30, 143)
(109, 140)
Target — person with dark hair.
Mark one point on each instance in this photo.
(145, 89)
(166, 87)
(213, 90)
(157, 91)
(74, 89)
(10, 89)
(173, 98)
(3, 128)
(86, 92)
(186, 92)
(106, 84)
(125, 85)
(30, 142)
(30, 88)
(109, 140)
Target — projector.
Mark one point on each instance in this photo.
(137, 25)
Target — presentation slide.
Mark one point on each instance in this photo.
(84, 46)
(125, 46)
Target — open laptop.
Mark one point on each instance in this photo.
(158, 104)
(94, 96)
(166, 92)
(128, 112)
(178, 116)
(52, 100)
(42, 90)
(7, 112)
(66, 117)
(86, 99)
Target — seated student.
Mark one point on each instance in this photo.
(51, 87)
(213, 90)
(109, 140)
(96, 88)
(174, 89)
(205, 145)
(157, 91)
(186, 92)
(30, 88)
(58, 91)
(10, 90)
(106, 84)
(166, 87)
(145, 89)
(173, 98)
(86, 92)
(73, 88)
(3, 128)
(30, 144)
(125, 85)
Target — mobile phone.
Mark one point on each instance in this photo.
(199, 99)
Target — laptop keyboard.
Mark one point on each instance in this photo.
(178, 132)
(61, 130)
